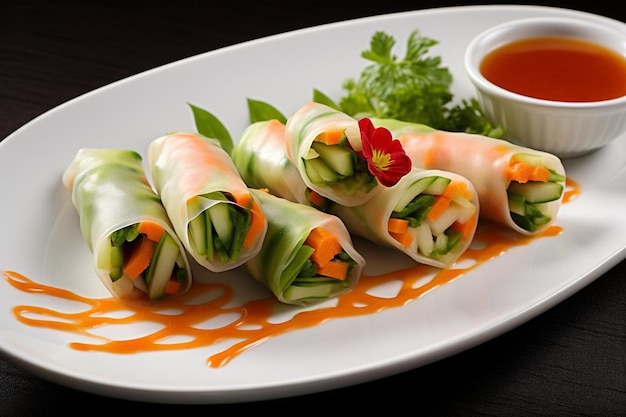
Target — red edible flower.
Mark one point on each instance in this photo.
(386, 159)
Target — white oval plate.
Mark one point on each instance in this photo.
(41, 239)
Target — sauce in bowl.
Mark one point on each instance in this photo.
(557, 68)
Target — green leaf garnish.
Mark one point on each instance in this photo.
(210, 126)
(261, 111)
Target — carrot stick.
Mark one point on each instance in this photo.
(457, 188)
(140, 257)
(404, 239)
(315, 199)
(330, 137)
(152, 230)
(257, 223)
(522, 172)
(334, 269)
(466, 228)
(441, 204)
(325, 244)
(172, 287)
(395, 225)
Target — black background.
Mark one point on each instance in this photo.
(571, 360)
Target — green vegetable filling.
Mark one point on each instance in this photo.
(122, 242)
(300, 280)
(527, 200)
(339, 167)
(219, 230)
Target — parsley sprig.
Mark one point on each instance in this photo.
(414, 89)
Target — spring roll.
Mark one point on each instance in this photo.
(260, 158)
(217, 219)
(136, 252)
(324, 144)
(429, 215)
(307, 255)
(519, 187)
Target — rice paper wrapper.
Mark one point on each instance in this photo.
(186, 166)
(481, 159)
(262, 162)
(290, 224)
(371, 219)
(303, 127)
(110, 192)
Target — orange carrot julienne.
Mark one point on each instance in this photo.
(442, 201)
(140, 257)
(325, 246)
(467, 228)
(330, 137)
(152, 230)
(173, 286)
(244, 200)
(404, 238)
(441, 204)
(315, 198)
(334, 269)
(257, 224)
(457, 188)
(522, 172)
(395, 225)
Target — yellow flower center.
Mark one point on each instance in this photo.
(381, 160)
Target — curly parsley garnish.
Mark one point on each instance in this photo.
(415, 89)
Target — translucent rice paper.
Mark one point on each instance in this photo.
(289, 225)
(481, 159)
(370, 220)
(184, 166)
(261, 160)
(110, 192)
(301, 130)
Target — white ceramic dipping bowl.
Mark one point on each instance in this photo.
(566, 129)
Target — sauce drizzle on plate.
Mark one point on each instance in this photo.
(254, 321)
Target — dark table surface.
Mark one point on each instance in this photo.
(570, 360)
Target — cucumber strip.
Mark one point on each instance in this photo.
(103, 260)
(413, 191)
(517, 203)
(556, 177)
(438, 186)
(162, 266)
(197, 232)
(222, 223)
(537, 192)
(313, 280)
(241, 224)
(421, 203)
(340, 159)
(318, 172)
(311, 154)
(311, 172)
(523, 222)
(292, 270)
(441, 243)
(117, 263)
(425, 242)
(209, 236)
(305, 292)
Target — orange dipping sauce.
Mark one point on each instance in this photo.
(557, 69)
